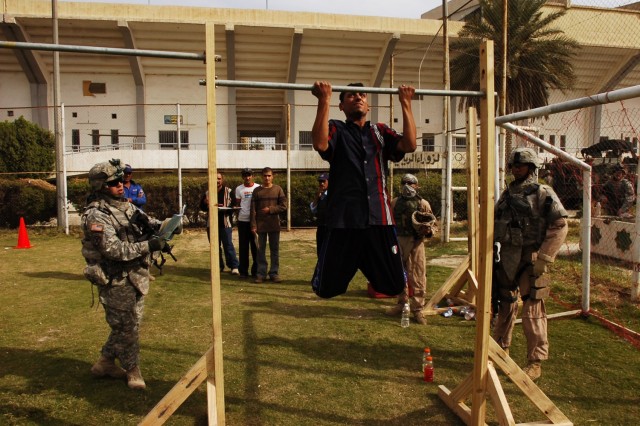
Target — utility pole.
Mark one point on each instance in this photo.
(61, 178)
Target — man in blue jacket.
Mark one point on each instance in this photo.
(132, 190)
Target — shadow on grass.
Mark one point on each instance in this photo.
(254, 407)
(34, 374)
(57, 275)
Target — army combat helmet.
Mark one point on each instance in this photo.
(524, 155)
(409, 178)
(102, 173)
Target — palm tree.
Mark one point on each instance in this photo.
(538, 56)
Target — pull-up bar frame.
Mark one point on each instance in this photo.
(105, 50)
(308, 87)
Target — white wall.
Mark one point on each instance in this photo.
(15, 95)
(114, 110)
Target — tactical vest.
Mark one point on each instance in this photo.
(402, 212)
(103, 271)
(518, 221)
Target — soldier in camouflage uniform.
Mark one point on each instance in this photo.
(411, 241)
(117, 247)
(530, 227)
(618, 194)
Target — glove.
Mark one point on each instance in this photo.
(540, 267)
(157, 244)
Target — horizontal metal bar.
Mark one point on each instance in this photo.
(539, 142)
(599, 99)
(308, 87)
(104, 50)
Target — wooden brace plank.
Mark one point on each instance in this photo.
(459, 408)
(459, 274)
(498, 398)
(179, 393)
(525, 384)
(463, 390)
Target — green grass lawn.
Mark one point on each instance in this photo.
(290, 358)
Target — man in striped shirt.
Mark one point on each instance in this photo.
(361, 233)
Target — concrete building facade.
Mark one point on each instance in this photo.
(133, 104)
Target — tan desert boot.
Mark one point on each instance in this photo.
(533, 370)
(134, 379)
(107, 367)
(395, 311)
(420, 319)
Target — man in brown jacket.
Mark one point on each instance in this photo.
(267, 203)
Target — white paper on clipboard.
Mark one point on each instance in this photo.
(170, 225)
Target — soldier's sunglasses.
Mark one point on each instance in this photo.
(114, 183)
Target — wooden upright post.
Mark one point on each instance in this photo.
(485, 233)
(215, 376)
(472, 197)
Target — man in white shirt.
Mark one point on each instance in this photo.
(246, 238)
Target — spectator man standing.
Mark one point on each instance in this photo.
(246, 239)
(226, 203)
(267, 202)
(319, 208)
(132, 190)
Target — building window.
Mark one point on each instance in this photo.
(115, 138)
(260, 141)
(305, 141)
(563, 142)
(552, 140)
(428, 142)
(75, 140)
(168, 139)
(540, 150)
(95, 139)
(459, 144)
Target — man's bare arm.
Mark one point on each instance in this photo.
(408, 141)
(320, 131)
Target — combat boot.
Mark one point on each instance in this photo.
(107, 367)
(134, 379)
(420, 319)
(533, 370)
(395, 310)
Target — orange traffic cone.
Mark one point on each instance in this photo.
(23, 238)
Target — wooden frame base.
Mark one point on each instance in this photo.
(455, 399)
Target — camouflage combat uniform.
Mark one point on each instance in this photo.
(412, 249)
(619, 195)
(529, 224)
(118, 264)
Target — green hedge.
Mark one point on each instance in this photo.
(34, 200)
(162, 194)
(36, 203)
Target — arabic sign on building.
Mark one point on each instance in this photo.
(431, 160)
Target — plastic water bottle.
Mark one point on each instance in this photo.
(427, 366)
(470, 314)
(406, 311)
